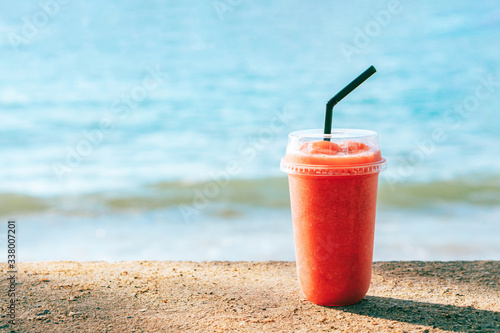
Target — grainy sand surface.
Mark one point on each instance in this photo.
(247, 297)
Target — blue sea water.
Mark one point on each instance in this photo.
(115, 116)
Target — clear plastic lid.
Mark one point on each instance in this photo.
(344, 152)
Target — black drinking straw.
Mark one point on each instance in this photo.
(341, 94)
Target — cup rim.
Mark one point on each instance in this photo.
(332, 170)
(337, 133)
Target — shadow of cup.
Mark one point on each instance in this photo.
(442, 316)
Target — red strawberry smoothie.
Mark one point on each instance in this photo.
(333, 192)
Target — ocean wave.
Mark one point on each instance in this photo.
(13, 203)
(465, 190)
(231, 197)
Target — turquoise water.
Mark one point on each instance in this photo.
(115, 117)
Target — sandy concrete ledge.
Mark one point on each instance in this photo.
(247, 297)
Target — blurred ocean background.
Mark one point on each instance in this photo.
(153, 130)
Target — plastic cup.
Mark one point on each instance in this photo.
(333, 196)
